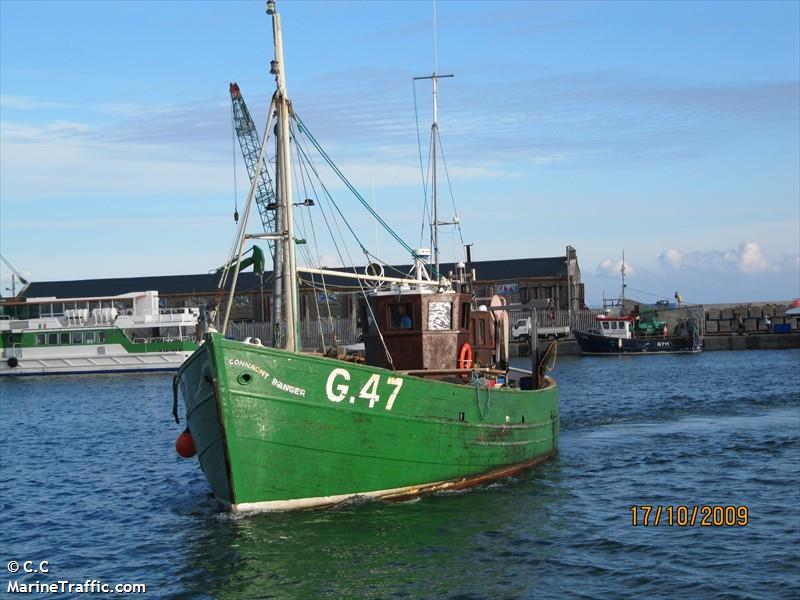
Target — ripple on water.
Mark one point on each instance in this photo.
(90, 481)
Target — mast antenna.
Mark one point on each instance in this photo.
(435, 77)
(435, 47)
(622, 271)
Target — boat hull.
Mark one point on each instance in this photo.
(595, 344)
(34, 362)
(278, 430)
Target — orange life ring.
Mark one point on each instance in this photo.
(465, 356)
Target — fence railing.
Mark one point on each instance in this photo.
(313, 334)
(579, 319)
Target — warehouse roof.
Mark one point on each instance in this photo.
(204, 284)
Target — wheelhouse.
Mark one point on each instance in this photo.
(426, 330)
(615, 327)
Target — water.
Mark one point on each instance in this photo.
(90, 482)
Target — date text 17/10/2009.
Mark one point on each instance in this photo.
(703, 515)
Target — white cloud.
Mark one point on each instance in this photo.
(30, 134)
(752, 259)
(612, 268)
(748, 258)
(672, 257)
(69, 157)
(28, 103)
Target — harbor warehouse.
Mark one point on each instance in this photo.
(519, 280)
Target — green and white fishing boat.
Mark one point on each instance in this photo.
(434, 407)
(110, 334)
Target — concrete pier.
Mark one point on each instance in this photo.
(754, 341)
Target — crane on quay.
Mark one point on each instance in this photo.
(266, 202)
(15, 274)
(251, 147)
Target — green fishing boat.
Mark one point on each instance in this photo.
(434, 405)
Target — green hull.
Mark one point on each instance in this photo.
(279, 430)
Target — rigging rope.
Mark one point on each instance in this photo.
(479, 382)
(429, 215)
(302, 127)
(333, 202)
(309, 258)
(422, 173)
(329, 198)
(647, 293)
(450, 187)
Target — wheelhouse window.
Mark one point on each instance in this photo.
(77, 337)
(40, 339)
(606, 325)
(88, 337)
(464, 315)
(365, 320)
(613, 324)
(52, 339)
(65, 338)
(400, 316)
(101, 337)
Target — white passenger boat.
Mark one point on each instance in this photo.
(111, 334)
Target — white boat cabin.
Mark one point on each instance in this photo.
(615, 327)
(138, 314)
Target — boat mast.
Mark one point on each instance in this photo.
(284, 191)
(622, 271)
(434, 188)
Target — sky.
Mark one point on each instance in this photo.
(667, 130)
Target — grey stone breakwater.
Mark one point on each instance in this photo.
(756, 341)
(748, 318)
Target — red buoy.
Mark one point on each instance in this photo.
(184, 445)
